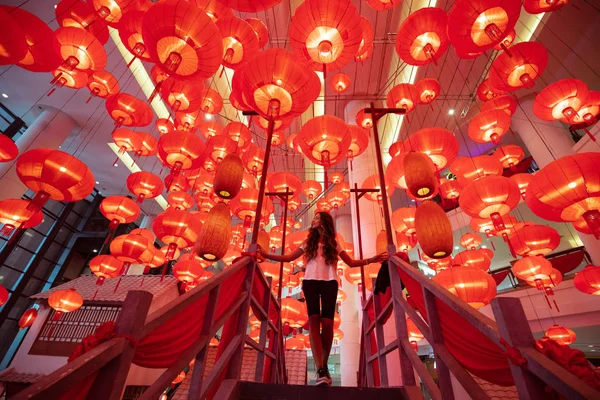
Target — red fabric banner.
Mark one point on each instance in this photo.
(472, 349)
(500, 276)
(568, 262)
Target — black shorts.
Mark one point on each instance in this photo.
(326, 292)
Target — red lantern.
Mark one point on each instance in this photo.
(522, 181)
(218, 147)
(229, 177)
(280, 181)
(240, 42)
(414, 334)
(403, 95)
(476, 26)
(422, 36)
(325, 140)
(8, 149)
(276, 84)
(509, 156)
(102, 84)
(212, 103)
(240, 134)
(562, 101)
(261, 31)
(485, 90)
(483, 225)
(188, 271)
(214, 9)
(127, 110)
(588, 280)
(534, 240)
(472, 285)
(395, 149)
(311, 189)
(80, 50)
(64, 301)
(215, 234)
(112, 10)
(395, 171)
(145, 185)
(182, 39)
(420, 177)
(17, 214)
(326, 34)
(507, 41)
(568, 189)
(119, 210)
(178, 229)
(3, 295)
(244, 206)
(28, 318)
(54, 174)
(450, 189)
(180, 200)
(561, 334)
(505, 103)
(428, 89)
(380, 5)
(130, 33)
(366, 42)
(532, 268)
(251, 6)
(520, 67)
(472, 258)
(439, 144)
(149, 145)
(336, 177)
(489, 126)
(542, 6)
(253, 160)
(43, 50)
(105, 266)
(127, 140)
(336, 198)
(470, 241)
(134, 247)
(469, 169)
(434, 232)
(372, 182)
(182, 95)
(587, 115)
(490, 197)
(180, 151)
(13, 42)
(364, 119)
(209, 129)
(339, 82)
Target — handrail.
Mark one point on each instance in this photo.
(112, 359)
(510, 325)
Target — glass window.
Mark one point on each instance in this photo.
(31, 240)
(72, 220)
(22, 304)
(63, 235)
(54, 207)
(44, 269)
(54, 251)
(46, 224)
(19, 258)
(8, 277)
(33, 286)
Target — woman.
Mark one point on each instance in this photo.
(320, 285)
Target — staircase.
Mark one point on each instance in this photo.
(265, 391)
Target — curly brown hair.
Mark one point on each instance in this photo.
(326, 235)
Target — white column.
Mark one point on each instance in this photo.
(49, 130)
(371, 224)
(350, 344)
(548, 141)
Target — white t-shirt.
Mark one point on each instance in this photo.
(317, 269)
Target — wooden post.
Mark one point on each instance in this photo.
(406, 368)
(367, 348)
(200, 363)
(262, 340)
(383, 372)
(514, 328)
(111, 379)
(445, 382)
(235, 365)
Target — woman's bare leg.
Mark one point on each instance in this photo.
(316, 344)
(326, 338)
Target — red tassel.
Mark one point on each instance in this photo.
(493, 246)
(556, 305)
(95, 294)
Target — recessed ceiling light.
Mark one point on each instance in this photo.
(592, 350)
(451, 111)
(208, 117)
(590, 345)
(456, 247)
(5, 95)
(97, 183)
(55, 6)
(95, 251)
(115, 164)
(484, 247)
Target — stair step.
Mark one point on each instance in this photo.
(264, 391)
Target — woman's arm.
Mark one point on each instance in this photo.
(358, 263)
(285, 257)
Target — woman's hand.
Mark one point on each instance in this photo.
(378, 258)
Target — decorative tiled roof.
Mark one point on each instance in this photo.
(12, 376)
(296, 365)
(497, 392)
(87, 288)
